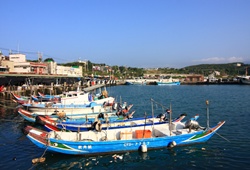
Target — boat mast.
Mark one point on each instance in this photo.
(170, 120)
(152, 112)
(207, 103)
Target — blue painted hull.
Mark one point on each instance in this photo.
(171, 83)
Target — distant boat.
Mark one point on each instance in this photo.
(167, 81)
(136, 81)
(245, 80)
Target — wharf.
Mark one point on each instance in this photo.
(91, 88)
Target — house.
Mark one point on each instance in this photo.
(194, 78)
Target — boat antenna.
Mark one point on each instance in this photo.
(207, 103)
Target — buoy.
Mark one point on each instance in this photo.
(172, 144)
(144, 147)
(37, 160)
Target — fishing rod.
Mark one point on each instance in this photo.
(158, 103)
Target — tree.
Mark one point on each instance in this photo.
(49, 60)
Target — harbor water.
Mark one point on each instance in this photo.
(228, 149)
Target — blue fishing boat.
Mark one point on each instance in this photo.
(46, 98)
(105, 123)
(167, 81)
(119, 140)
(80, 118)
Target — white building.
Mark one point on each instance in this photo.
(17, 63)
(52, 67)
(17, 58)
(70, 71)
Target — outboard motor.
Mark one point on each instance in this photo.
(192, 124)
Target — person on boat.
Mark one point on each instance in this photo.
(121, 111)
(168, 111)
(128, 115)
(164, 116)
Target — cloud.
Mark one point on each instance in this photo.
(219, 60)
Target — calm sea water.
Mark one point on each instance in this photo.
(229, 149)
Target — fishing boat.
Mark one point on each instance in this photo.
(136, 81)
(98, 105)
(75, 113)
(122, 121)
(245, 79)
(33, 117)
(116, 140)
(64, 99)
(119, 140)
(50, 108)
(167, 81)
(2, 88)
(45, 97)
(19, 99)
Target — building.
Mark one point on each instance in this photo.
(194, 78)
(70, 71)
(16, 63)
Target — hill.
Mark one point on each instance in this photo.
(231, 69)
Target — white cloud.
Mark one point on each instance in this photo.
(218, 60)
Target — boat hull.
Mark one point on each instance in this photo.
(168, 83)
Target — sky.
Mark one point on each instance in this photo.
(131, 33)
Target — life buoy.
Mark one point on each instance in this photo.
(172, 144)
(97, 126)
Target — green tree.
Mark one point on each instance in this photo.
(49, 60)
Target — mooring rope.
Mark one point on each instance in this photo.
(222, 136)
(7, 120)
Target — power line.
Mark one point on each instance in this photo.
(30, 52)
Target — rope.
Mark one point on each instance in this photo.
(9, 107)
(7, 120)
(44, 152)
(39, 158)
(222, 137)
